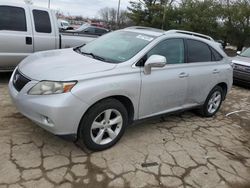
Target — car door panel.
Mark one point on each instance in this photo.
(162, 91)
(203, 70)
(200, 81)
(165, 88)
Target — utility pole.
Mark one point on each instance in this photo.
(118, 14)
(49, 4)
(164, 15)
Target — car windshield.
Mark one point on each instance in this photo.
(118, 46)
(246, 53)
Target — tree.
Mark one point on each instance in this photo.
(200, 16)
(228, 20)
(109, 16)
(236, 19)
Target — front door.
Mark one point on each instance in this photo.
(165, 88)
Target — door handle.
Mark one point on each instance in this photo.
(28, 40)
(215, 71)
(183, 75)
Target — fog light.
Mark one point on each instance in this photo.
(48, 121)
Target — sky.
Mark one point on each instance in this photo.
(86, 8)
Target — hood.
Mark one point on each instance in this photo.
(61, 65)
(241, 60)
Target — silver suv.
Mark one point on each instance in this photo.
(93, 92)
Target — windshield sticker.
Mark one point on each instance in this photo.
(144, 37)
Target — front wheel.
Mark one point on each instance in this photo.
(212, 103)
(103, 125)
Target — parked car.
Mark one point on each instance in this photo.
(93, 92)
(25, 29)
(89, 29)
(241, 64)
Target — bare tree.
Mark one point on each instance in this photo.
(109, 15)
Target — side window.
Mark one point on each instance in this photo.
(216, 55)
(90, 30)
(12, 18)
(172, 49)
(42, 21)
(100, 31)
(198, 51)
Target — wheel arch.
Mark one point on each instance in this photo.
(224, 87)
(126, 101)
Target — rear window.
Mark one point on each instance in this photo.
(216, 55)
(198, 51)
(100, 31)
(42, 21)
(12, 18)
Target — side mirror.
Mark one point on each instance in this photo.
(238, 52)
(154, 61)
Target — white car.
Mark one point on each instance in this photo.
(93, 92)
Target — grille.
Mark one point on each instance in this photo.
(19, 81)
(242, 68)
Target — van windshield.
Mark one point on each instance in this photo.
(117, 47)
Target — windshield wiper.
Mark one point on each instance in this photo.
(95, 56)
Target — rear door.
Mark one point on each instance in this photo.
(44, 32)
(15, 35)
(203, 71)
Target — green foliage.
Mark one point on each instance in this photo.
(221, 19)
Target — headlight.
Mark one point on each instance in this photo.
(50, 87)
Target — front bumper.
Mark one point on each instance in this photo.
(241, 77)
(59, 114)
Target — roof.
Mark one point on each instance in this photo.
(190, 33)
(159, 32)
(146, 30)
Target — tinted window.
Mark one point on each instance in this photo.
(216, 55)
(198, 51)
(90, 30)
(42, 21)
(100, 31)
(172, 49)
(12, 18)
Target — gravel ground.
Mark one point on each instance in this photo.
(184, 150)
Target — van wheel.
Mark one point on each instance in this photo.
(212, 103)
(103, 125)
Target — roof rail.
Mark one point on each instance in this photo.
(146, 28)
(190, 33)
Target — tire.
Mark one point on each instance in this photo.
(103, 125)
(211, 106)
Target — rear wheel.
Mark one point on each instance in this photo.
(103, 125)
(212, 103)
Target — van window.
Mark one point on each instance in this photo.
(42, 21)
(12, 18)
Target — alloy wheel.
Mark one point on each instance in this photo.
(214, 102)
(106, 126)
